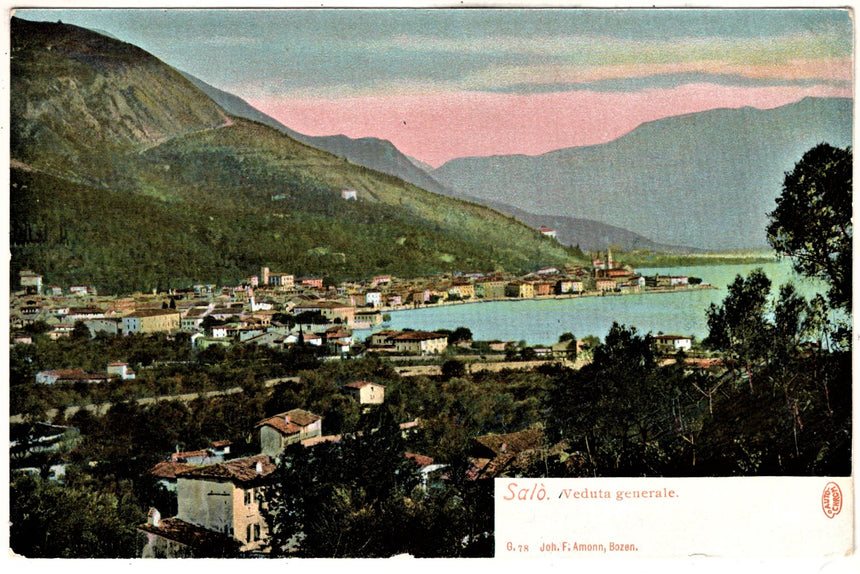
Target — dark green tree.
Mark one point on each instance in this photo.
(80, 332)
(739, 326)
(812, 220)
(459, 334)
(48, 520)
(617, 409)
(344, 499)
(453, 368)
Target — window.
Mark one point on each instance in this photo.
(248, 536)
(249, 496)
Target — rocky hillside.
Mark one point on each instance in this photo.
(148, 159)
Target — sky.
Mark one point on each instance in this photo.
(442, 84)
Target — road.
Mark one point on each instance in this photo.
(102, 408)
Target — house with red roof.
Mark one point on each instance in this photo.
(219, 511)
(282, 430)
(420, 343)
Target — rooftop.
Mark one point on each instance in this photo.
(142, 313)
(419, 336)
(298, 418)
(237, 470)
(169, 469)
(361, 384)
(206, 542)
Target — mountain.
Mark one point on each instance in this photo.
(381, 155)
(127, 176)
(706, 179)
(588, 234)
(373, 153)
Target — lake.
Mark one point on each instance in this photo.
(542, 321)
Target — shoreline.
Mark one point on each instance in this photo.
(646, 291)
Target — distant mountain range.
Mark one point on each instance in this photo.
(702, 181)
(127, 176)
(381, 155)
(707, 179)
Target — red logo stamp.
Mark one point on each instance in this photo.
(831, 500)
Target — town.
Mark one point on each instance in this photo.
(280, 312)
(277, 309)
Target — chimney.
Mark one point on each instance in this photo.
(154, 517)
(287, 418)
(259, 468)
(504, 448)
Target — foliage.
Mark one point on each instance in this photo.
(48, 520)
(796, 418)
(739, 326)
(344, 499)
(796, 421)
(453, 368)
(620, 409)
(459, 334)
(812, 220)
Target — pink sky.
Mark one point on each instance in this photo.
(437, 127)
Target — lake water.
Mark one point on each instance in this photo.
(542, 321)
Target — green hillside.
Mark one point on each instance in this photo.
(136, 180)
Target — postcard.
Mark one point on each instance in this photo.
(562, 284)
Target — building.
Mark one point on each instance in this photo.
(349, 194)
(84, 314)
(56, 376)
(151, 321)
(334, 311)
(282, 280)
(365, 319)
(520, 290)
(282, 430)
(420, 343)
(490, 288)
(311, 282)
(543, 288)
(380, 280)
(501, 455)
(365, 392)
(31, 282)
(462, 290)
(373, 298)
(72, 376)
(79, 290)
(192, 320)
(547, 232)
(567, 286)
(106, 326)
(672, 343)
(219, 511)
(121, 370)
(165, 472)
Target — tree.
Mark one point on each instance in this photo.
(80, 332)
(617, 408)
(459, 334)
(812, 220)
(739, 325)
(345, 499)
(453, 368)
(48, 520)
